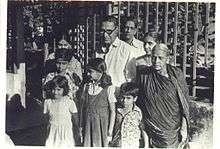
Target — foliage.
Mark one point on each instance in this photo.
(201, 118)
(48, 15)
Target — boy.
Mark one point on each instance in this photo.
(127, 130)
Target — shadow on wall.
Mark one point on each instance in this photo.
(14, 103)
(24, 127)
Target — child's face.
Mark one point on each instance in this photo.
(58, 92)
(61, 65)
(94, 75)
(128, 100)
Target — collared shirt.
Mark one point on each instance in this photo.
(139, 45)
(119, 61)
(127, 128)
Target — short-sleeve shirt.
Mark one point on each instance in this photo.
(127, 130)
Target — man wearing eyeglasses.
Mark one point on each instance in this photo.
(118, 55)
(129, 31)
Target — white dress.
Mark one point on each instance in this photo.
(60, 124)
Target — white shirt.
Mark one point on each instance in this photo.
(139, 46)
(120, 62)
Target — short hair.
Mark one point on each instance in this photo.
(62, 82)
(129, 88)
(64, 54)
(131, 18)
(152, 34)
(110, 19)
(163, 47)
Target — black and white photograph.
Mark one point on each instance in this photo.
(117, 74)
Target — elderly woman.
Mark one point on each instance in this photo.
(163, 100)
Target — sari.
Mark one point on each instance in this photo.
(164, 102)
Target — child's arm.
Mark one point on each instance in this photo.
(82, 104)
(76, 129)
(146, 139)
(75, 121)
(143, 132)
(112, 119)
(112, 100)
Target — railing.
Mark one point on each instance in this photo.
(182, 26)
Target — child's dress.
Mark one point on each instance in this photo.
(60, 124)
(96, 115)
(127, 132)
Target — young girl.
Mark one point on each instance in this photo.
(62, 57)
(127, 130)
(98, 106)
(60, 110)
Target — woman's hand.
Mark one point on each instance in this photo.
(183, 145)
(109, 138)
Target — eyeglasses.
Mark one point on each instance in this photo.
(109, 32)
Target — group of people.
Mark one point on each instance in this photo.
(130, 97)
